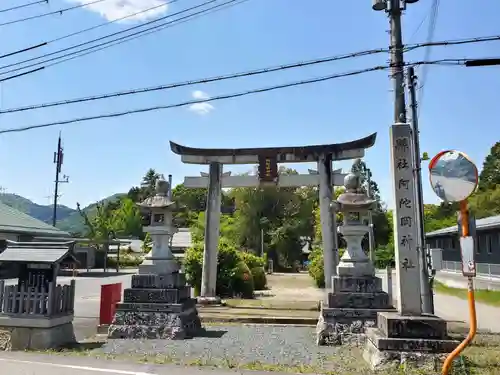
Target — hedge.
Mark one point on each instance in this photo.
(126, 261)
(317, 267)
(234, 270)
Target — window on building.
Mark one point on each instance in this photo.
(494, 243)
(483, 242)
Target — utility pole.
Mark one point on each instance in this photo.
(58, 161)
(425, 288)
(394, 9)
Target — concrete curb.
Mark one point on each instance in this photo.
(260, 320)
(268, 320)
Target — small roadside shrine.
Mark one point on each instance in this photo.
(36, 312)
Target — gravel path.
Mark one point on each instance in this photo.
(244, 345)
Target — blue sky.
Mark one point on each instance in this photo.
(102, 157)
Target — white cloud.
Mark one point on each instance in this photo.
(115, 9)
(201, 108)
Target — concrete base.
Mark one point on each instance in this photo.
(396, 336)
(29, 334)
(425, 362)
(350, 309)
(156, 307)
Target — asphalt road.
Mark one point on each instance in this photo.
(32, 364)
(454, 189)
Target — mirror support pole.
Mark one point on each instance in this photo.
(464, 210)
(425, 282)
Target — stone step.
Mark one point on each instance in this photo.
(374, 300)
(423, 344)
(155, 295)
(366, 284)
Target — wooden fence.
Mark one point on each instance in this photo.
(25, 301)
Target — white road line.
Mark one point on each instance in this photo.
(87, 368)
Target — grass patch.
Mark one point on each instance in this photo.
(488, 297)
(480, 358)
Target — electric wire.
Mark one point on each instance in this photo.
(99, 39)
(74, 55)
(23, 5)
(176, 22)
(88, 29)
(222, 97)
(59, 11)
(427, 54)
(236, 75)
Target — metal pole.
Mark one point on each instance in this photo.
(397, 60)
(425, 290)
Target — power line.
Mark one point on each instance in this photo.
(98, 39)
(430, 35)
(221, 97)
(59, 11)
(76, 54)
(89, 28)
(235, 75)
(128, 38)
(23, 5)
(197, 81)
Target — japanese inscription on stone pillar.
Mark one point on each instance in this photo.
(405, 227)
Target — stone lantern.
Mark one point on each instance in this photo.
(159, 303)
(158, 211)
(355, 206)
(356, 296)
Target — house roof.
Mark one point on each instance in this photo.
(14, 221)
(492, 222)
(36, 252)
(182, 238)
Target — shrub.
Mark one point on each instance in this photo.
(242, 283)
(259, 278)
(252, 260)
(126, 261)
(317, 267)
(232, 271)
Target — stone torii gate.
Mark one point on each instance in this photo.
(267, 160)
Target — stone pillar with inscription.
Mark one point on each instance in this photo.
(159, 303)
(405, 333)
(356, 295)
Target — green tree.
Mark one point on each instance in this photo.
(490, 174)
(147, 188)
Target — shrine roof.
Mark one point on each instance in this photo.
(36, 252)
(339, 151)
